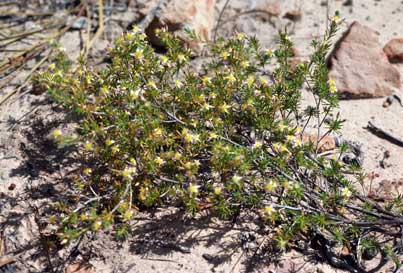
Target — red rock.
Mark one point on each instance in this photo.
(270, 8)
(195, 14)
(394, 50)
(359, 66)
(328, 143)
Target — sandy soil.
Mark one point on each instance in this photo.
(29, 160)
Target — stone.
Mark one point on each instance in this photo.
(268, 7)
(394, 50)
(328, 143)
(359, 66)
(293, 15)
(178, 14)
(79, 267)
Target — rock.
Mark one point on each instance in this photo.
(293, 15)
(359, 66)
(270, 7)
(328, 143)
(394, 50)
(177, 14)
(79, 267)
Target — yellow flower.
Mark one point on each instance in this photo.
(269, 210)
(164, 59)
(250, 81)
(57, 133)
(136, 29)
(271, 186)
(115, 149)
(177, 156)
(87, 171)
(240, 36)
(191, 138)
(270, 52)
(345, 192)
(212, 135)
(217, 191)
(290, 138)
(109, 142)
(258, 144)
(332, 86)
(181, 57)
(244, 64)
(135, 94)
(207, 106)
(282, 127)
(213, 95)
(298, 143)
(178, 83)
(287, 184)
(231, 78)
(158, 132)
(88, 146)
(52, 66)
(224, 55)
(96, 225)
(236, 178)
(336, 19)
(133, 161)
(139, 54)
(224, 107)
(206, 79)
(193, 189)
(263, 81)
(158, 160)
(152, 84)
(283, 148)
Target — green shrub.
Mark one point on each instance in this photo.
(154, 130)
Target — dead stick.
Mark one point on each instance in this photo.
(383, 134)
(100, 27)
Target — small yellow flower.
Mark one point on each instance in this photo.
(345, 192)
(244, 64)
(213, 95)
(191, 138)
(206, 79)
(109, 142)
(56, 134)
(240, 36)
(270, 52)
(212, 135)
(332, 89)
(263, 81)
(159, 161)
(152, 84)
(217, 191)
(207, 106)
(164, 59)
(136, 29)
(290, 138)
(236, 178)
(224, 55)
(52, 66)
(87, 171)
(250, 81)
(133, 161)
(336, 19)
(181, 57)
(224, 107)
(298, 143)
(283, 148)
(271, 186)
(282, 127)
(231, 78)
(178, 83)
(258, 144)
(88, 146)
(158, 132)
(96, 225)
(269, 210)
(139, 54)
(115, 149)
(193, 189)
(287, 184)
(177, 156)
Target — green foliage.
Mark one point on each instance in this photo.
(155, 131)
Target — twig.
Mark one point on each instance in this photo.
(100, 28)
(383, 134)
(5, 260)
(219, 20)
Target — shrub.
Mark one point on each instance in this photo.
(154, 130)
